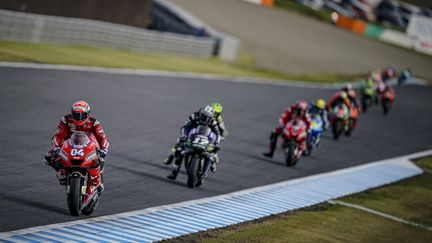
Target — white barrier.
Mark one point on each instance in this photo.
(397, 38)
(25, 27)
(228, 47)
(420, 29)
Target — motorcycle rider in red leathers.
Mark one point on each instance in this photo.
(78, 121)
(299, 109)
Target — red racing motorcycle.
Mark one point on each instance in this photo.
(79, 158)
(294, 145)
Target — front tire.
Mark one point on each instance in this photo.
(74, 196)
(337, 129)
(193, 172)
(386, 106)
(290, 157)
(350, 127)
(366, 103)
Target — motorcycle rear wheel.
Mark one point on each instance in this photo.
(74, 196)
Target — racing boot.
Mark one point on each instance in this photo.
(174, 173)
(61, 175)
(169, 159)
(48, 157)
(273, 141)
(269, 154)
(215, 161)
(101, 187)
(172, 155)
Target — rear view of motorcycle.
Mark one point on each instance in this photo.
(78, 157)
(340, 115)
(199, 155)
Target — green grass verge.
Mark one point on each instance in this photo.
(409, 199)
(292, 6)
(116, 58)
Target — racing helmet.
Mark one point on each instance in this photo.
(302, 107)
(347, 87)
(80, 112)
(217, 108)
(205, 114)
(351, 94)
(320, 104)
(389, 73)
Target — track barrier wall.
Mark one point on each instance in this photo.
(267, 3)
(35, 28)
(385, 35)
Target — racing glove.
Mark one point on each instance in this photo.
(103, 153)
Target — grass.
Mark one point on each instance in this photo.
(116, 58)
(409, 199)
(292, 6)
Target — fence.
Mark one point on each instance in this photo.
(25, 27)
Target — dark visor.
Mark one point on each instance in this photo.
(79, 116)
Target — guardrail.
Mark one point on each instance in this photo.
(35, 28)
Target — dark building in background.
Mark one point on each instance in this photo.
(127, 12)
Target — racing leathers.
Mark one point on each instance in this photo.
(65, 129)
(193, 121)
(340, 97)
(348, 99)
(289, 114)
(313, 109)
(221, 125)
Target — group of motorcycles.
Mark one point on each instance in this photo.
(342, 120)
(375, 94)
(79, 154)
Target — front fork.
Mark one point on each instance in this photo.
(84, 179)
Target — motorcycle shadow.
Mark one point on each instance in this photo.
(34, 204)
(147, 162)
(260, 158)
(178, 182)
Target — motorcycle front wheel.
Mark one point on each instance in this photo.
(366, 103)
(386, 104)
(290, 156)
(74, 196)
(193, 172)
(337, 129)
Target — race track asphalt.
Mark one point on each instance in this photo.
(142, 116)
(297, 44)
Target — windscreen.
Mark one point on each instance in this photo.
(79, 138)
